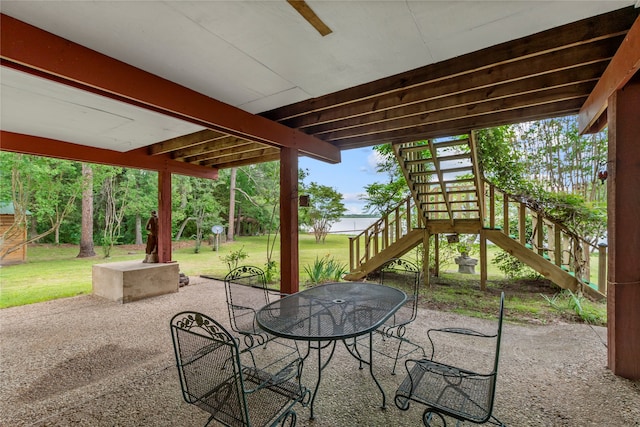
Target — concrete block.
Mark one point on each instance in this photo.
(134, 280)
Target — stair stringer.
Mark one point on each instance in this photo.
(546, 268)
(407, 242)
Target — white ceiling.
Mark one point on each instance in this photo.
(255, 55)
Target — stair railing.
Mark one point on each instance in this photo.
(394, 225)
(548, 238)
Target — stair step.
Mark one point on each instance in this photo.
(457, 169)
(451, 143)
(408, 163)
(456, 181)
(464, 156)
(422, 173)
(439, 193)
(413, 149)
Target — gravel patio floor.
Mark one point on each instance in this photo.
(87, 361)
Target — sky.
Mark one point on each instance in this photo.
(349, 177)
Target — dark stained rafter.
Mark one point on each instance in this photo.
(544, 75)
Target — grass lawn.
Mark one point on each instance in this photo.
(54, 272)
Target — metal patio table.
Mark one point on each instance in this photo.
(325, 314)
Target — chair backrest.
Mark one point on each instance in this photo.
(208, 362)
(405, 275)
(246, 293)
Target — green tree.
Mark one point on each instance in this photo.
(325, 208)
(382, 196)
(45, 188)
(115, 188)
(143, 196)
(198, 209)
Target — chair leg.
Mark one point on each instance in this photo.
(429, 420)
(395, 361)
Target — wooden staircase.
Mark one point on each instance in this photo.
(443, 178)
(449, 196)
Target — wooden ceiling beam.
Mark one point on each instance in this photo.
(29, 49)
(548, 63)
(621, 69)
(185, 141)
(491, 106)
(219, 144)
(246, 147)
(573, 34)
(38, 146)
(462, 125)
(558, 79)
(250, 161)
(267, 152)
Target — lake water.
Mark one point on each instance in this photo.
(352, 225)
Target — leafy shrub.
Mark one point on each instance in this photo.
(325, 269)
(512, 267)
(270, 271)
(583, 308)
(233, 258)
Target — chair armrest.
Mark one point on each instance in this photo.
(454, 331)
(242, 307)
(263, 378)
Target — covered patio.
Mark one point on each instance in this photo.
(189, 88)
(88, 361)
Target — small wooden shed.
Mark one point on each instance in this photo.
(7, 218)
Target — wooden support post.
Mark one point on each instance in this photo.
(385, 241)
(492, 207)
(436, 249)
(367, 244)
(557, 244)
(483, 260)
(623, 293)
(586, 253)
(425, 259)
(398, 225)
(408, 211)
(290, 270)
(522, 223)
(567, 253)
(164, 216)
(602, 268)
(505, 213)
(540, 233)
(351, 247)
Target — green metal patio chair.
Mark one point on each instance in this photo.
(246, 292)
(214, 378)
(404, 275)
(449, 390)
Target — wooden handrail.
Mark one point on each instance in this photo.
(401, 219)
(549, 238)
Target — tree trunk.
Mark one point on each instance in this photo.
(138, 230)
(232, 203)
(86, 236)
